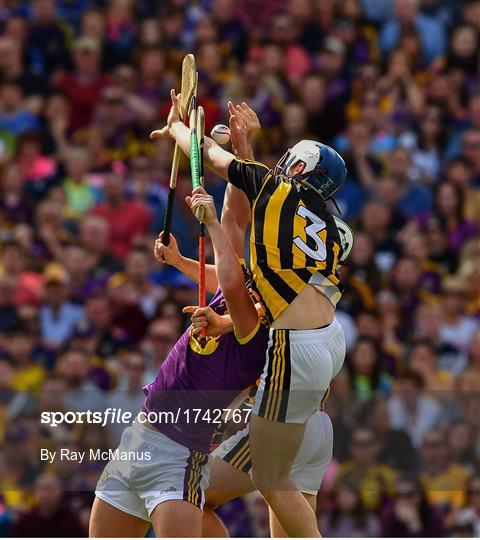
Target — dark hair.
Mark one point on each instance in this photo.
(460, 200)
(359, 513)
(458, 160)
(422, 343)
(11, 82)
(442, 136)
(377, 367)
(425, 508)
(413, 376)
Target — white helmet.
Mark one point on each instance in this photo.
(346, 238)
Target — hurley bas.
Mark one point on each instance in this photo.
(65, 454)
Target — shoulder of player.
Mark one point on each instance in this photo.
(250, 162)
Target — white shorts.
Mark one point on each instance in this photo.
(296, 378)
(156, 470)
(311, 462)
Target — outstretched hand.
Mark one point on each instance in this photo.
(245, 119)
(244, 125)
(173, 116)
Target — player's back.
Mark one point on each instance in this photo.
(293, 237)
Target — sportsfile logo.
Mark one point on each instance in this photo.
(119, 416)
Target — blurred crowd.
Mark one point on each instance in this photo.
(87, 315)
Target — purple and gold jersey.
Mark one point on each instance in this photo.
(196, 381)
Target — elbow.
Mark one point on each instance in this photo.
(231, 286)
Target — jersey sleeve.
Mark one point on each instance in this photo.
(252, 349)
(249, 176)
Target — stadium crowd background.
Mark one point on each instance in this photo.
(87, 315)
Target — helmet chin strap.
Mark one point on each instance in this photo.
(335, 204)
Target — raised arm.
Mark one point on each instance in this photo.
(216, 158)
(229, 272)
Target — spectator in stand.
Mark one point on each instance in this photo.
(427, 148)
(34, 87)
(153, 82)
(81, 196)
(413, 198)
(411, 409)
(14, 118)
(128, 317)
(127, 220)
(85, 84)
(397, 450)
(367, 374)
(348, 517)
(27, 374)
(137, 274)
(374, 480)
(457, 329)
(449, 206)
(128, 395)
(411, 515)
(423, 361)
(94, 237)
(470, 147)
(324, 120)
(443, 480)
(50, 515)
(431, 30)
(13, 204)
(26, 283)
(461, 442)
(107, 341)
(81, 393)
(58, 315)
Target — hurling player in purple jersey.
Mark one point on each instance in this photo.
(163, 479)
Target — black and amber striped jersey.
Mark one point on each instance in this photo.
(293, 241)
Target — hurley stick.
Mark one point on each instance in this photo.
(188, 90)
(202, 293)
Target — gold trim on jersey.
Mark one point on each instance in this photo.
(251, 335)
(209, 347)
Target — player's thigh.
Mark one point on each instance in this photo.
(106, 521)
(315, 453)
(226, 483)
(177, 519)
(273, 445)
(276, 530)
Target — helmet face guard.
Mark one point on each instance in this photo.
(347, 238)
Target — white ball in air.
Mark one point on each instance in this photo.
(220, 134)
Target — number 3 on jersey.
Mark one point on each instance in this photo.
(317, 225)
